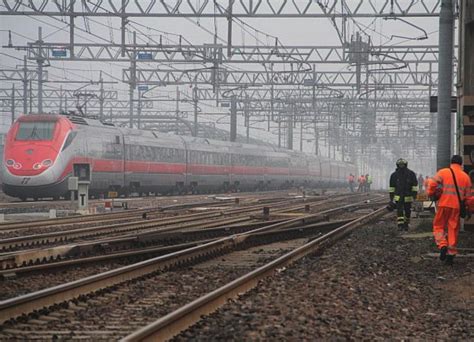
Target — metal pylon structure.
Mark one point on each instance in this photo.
(350, 101)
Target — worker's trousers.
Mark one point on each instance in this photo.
(403, 213)
(446, 228)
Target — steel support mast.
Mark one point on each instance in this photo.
(445, 86)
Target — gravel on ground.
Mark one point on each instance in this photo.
(376, 284)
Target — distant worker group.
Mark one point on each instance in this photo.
(365, 181)
(450, 188)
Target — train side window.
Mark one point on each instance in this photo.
(159, 153)
(69, 140)
(117, 139)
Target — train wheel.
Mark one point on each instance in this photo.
(23, 199)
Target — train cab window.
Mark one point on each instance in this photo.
(41, 130)
(69, 140)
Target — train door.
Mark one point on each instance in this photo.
(128, 158)
(120, 142)
(111, 161)
(266, 167)
(186, 163)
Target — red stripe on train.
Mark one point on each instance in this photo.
(109, 165)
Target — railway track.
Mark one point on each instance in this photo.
(144, 222)
(34, 278)
(183, 317)
(78, 221)
(133, 202)
(297, 227)
(161, 230)
(117, 309)
(16, 229)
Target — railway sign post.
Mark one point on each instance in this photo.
(83, 174)
(72, 186)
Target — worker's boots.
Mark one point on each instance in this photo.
(449, 259)
(443, 253)
(403, 226)
(401, 223)
(406, 225)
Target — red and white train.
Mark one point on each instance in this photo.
(41, 150)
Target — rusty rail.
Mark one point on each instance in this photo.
(180, 319)
(25, 304)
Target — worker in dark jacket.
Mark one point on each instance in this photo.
(403, 189)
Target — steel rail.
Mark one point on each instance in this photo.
(29, 240)
(108, 216)
(179, 223)
(169, 232)
(156, 250)
(64, 220)
(175, 322)
(15, 307)
(21, 260)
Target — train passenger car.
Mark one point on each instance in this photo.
(314, 170)
(249, 165)
(41, 150)
(153, 162)
(99, 146)
(277, 169)
(209, 164)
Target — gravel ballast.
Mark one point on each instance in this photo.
(376, 284)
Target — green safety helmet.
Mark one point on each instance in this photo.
(402, 163)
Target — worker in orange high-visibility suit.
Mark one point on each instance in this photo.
(447, 217)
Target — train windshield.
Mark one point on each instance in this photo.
(40, 130)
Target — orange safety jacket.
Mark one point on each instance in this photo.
(444, 179)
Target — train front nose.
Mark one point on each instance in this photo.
(32, 163)
(30, 160)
